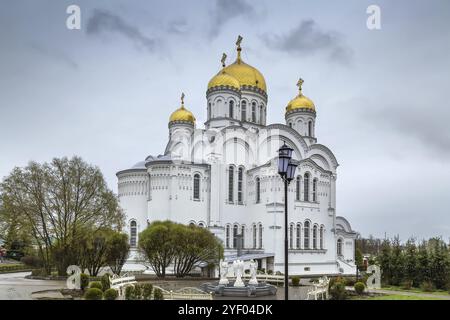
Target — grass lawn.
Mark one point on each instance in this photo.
(397, 297)
(417, 290)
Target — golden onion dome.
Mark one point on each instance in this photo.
(225, 80)
(300, 101)
(245, 74)
(182, 114)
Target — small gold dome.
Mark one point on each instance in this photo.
(224, 79)
(300, 101)
(182, 114)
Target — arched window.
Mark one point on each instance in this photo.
(231, 109)
(133, 233)
(254, 236)
(258, 190)
(260, 235)
(196, 186)
(315, 237)
(321, 237)
(192, 224)
(243, 236)
(339, 247)
(243, 111)
(306, 187)
(227, 238)
(209, 110)
(314, 190)
(310, 128)
(306, 235)
(230, 184)
(201, 225)
(298, 238)
(297, 188)
(240, 184)
(254, 112)
(291, 236)
(290, 124)
(235, 233)
(261, 114)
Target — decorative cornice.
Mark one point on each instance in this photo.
(299, 110)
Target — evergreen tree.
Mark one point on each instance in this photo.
(397, 262)
(423, 264)
(439, 264)
(384, 260)
(411, 262)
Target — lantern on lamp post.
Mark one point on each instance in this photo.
(286, 169)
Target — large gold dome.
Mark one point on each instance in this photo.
(300, 101)
(243, 73)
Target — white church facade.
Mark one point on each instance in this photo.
(224, 177)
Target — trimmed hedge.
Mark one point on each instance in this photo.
(84, 281)
(295, 281)
(5, 268)
(158, 294)
(110, 294)
(93, 294)
(96, 284)
(105, 282)
(359, 288)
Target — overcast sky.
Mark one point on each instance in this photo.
(105, 92)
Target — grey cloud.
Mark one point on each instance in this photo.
(179, 26)
(225, 10)
(103, 21)
(431, 130)
(308, 38)
(55, 54)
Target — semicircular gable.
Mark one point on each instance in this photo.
(323, 151)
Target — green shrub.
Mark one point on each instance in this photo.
(427, 286)
(359, 288)
(158, 294)
(147, 289)
(295, 281)
(407, 284)
(93, 294)
(129, 293)
(278, 273)
(84, 281)
(96, 284)
(105, 282)
(110, 294)
(270, 272)
(337, 289)
(137, 291)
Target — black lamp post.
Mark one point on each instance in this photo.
(286, 169)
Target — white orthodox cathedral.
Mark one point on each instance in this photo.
(224, 177)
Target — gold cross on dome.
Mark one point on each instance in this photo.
(238, 42)
(299, 84)
(224, 57)
(182, 98)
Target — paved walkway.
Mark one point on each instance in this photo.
(14, 286)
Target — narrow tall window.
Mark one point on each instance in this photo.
(209, 110)
(321, 237)
(254, 112)
(298, 238)
(261, 114)
(314, 190)
(231, 107)
(291, 236)
(240, 183)
(306, 187)
(230, 183)
(315, 237)
(243, 236)
(339, 247)
(235, 233)
(133, 233)
(306, 235)
(310, 128)
(297, 188)
(227, 239)
(254, 235)
(260, 235)
(258, 190)
(196, 186)
(243, 111)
